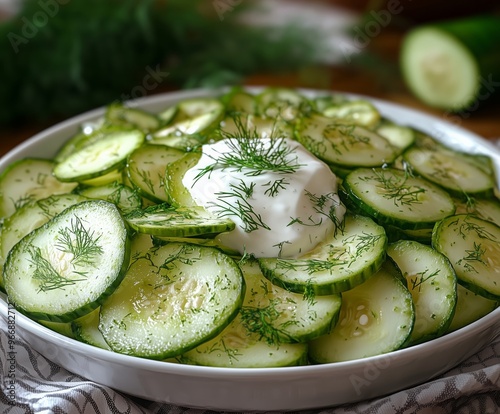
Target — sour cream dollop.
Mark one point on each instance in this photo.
(282, 199)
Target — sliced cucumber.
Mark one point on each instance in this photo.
(172, 299)
(123, 196)
(399, 136)
(100, 157)
(473, 247)
(358, 112)
(267, 327)
(26, 180)
(376, 317)
(239, 101)
(283, 103)
(162, 220)
(433, 285)
(337, 264)
(67, 267)
(86, 329)
(394, 197)
(30, 217)
(470, 307)
(251, 126)
(126, 117)
(344, 145)
(486, 209)
(146, 169)
(179, 195)
(450, 171)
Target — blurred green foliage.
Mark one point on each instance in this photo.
(59, 58)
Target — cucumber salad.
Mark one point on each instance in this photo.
(251, 229)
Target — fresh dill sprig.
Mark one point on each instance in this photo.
(235, 203)
(80, 242)
(395, 187)
(467, 226)
(473, 256)
(253, 157)
(262, 320)
(309, 266)
(46, 274)
(422, 277)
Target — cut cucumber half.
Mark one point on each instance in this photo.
(473, 247)
(67, 267)
(433, 285)
(453, 64)
(376, 318)
(172, 299)
(165, 221)
(337, 264)
(394, 197)
(26, 180)
(439, 69)
(100, 157)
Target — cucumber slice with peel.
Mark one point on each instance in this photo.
(473, 247)
(68, 266)
(376, 317)
(173, 298)
(337, 264)
(433, 285)
(394, 197)
(454, 64)
(165, 221)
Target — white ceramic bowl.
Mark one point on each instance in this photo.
(280, 389)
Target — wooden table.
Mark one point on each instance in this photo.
(355, 79)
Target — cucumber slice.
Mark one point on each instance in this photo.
(124, 197)
(270, 321)
(280, 316)
(146, 170)
(376, 317)
(358, 112)
(450, 65)
(344, 145)
(470, 307)
(132, 118)
(239, 101)
(161, 220)
(115, 176)
(30, 217)
(394, 197)
(473, 247)
(86, 329)
(337, 264)
(100, 157)
(26, 180)
(432, 283)
(251, 126)
(173, 298)
(455, 173)
(283, 103)
(486, 209)
(399, 136)
(179, 195)
(67, 267)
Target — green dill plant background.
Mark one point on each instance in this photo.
(91, 52)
